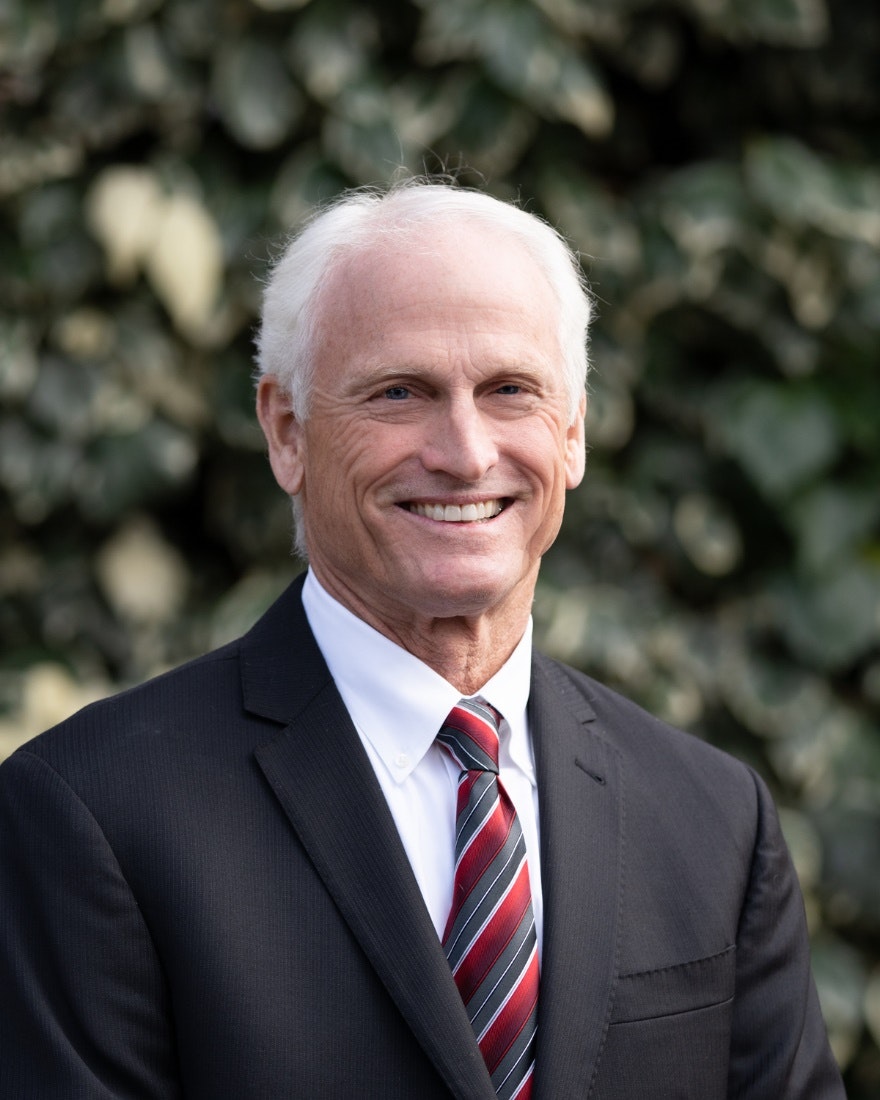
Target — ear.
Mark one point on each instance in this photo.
(576, 448)
(283, 432)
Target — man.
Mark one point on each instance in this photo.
(265, 874)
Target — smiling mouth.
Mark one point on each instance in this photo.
(458, 513)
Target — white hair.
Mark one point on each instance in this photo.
(363, 217)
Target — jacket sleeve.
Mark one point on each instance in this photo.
(84, 1011)
(779, 1047)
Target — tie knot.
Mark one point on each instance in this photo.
(470, 736)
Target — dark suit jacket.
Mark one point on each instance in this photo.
(203, 894)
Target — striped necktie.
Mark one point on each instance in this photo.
(490, 935)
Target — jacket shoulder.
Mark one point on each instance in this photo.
(204, 699)
(184, 695)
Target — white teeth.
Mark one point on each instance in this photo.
(455, 513)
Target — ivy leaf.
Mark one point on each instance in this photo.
(781, 435)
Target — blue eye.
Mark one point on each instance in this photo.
(509, 388)
(397, 393)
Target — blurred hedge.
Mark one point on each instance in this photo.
(715, 161)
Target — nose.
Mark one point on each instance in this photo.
(460, 441)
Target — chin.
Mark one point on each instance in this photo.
(456, 596)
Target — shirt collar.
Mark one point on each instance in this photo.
(396, 701)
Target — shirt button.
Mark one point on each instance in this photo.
(401, 760)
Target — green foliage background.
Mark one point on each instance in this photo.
(715, 161)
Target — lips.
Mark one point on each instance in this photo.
(470, 512)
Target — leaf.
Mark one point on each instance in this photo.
(840, 979)
(330, 50)
(522, 51)
(872, 1005)
(782, 435)
(704, 206)
(142, 575)
(596, 222)
(185, 263)
(122, 210)
(63, 396)
(18, 359)
(256, 97)
(781, 22)
(799, 186)
(830, 521)
(37, 474)
(128, 471)
(851, 840)
(491, 131)
(366, 149)
(708, 534)
(832, 621)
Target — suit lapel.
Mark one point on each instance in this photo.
(321, 776)
(580, 798)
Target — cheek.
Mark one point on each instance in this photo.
(348, 468)
(333, 456)
(543, 453)
(545, 459)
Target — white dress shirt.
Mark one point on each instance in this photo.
(398, 704)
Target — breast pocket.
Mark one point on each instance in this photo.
(669, 1036)
(686, 987)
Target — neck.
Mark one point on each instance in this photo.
(466, 650)
(466, 653)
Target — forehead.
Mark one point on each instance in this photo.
(459, 269)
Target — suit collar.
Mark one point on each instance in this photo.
(321, 776)
(281, 665)
(581, 807)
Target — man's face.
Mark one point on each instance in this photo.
(437, 450)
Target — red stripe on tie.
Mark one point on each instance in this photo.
(513, 1017)
(484, 846)
(483, 732)
(524, 1092)
(494, 937)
